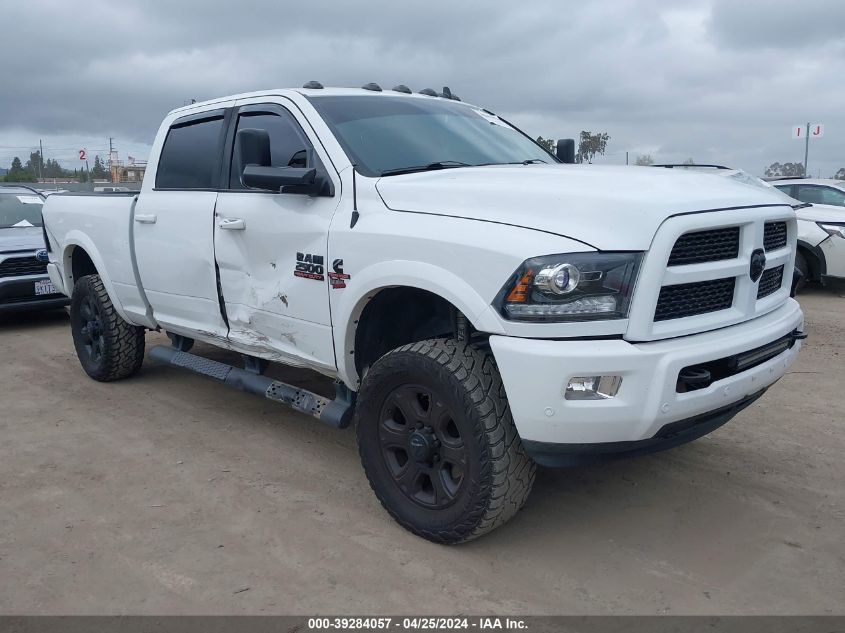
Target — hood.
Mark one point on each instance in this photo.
(609, 208)
(28, 238)
(822, 213)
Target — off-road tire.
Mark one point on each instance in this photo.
(499, 475)
(119, 350)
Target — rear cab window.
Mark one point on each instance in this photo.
(190, 157)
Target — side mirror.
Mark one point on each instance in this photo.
(254, 163)
(565, 150)
(292, 179)
(252, 147)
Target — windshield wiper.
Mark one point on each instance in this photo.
(443, 164)
(528, 161)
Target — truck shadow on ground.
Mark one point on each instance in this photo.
(20, 321)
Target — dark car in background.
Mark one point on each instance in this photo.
(24, 284)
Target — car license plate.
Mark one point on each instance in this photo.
(44, 288)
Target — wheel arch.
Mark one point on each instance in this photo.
(815, 259)
(433, 286)
(79, 258)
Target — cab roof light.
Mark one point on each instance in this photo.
(372, 86)
(428, 92)
(313, 85)
(402, 88)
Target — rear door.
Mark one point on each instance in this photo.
(173, 226)
(271, 247)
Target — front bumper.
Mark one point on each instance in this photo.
(535, 374)
(17, 294)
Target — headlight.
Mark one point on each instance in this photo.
(832, 228)
(571, 287)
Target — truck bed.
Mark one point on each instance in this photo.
(101, 224)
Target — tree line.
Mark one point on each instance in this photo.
(36, 167)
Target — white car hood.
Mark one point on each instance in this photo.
(21, 239)
(822, 213)
(609, 208)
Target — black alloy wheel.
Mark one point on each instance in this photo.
(422, 446)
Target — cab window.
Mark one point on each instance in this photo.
(190, 156)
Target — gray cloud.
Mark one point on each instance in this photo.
(719, 81)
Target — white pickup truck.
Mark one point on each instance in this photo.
(482, 307)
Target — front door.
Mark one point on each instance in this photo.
(173, 228)
(271, 250)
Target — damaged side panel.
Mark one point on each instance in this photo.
(273, 276)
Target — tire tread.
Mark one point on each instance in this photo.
(507, 472)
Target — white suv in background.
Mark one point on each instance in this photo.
(821, 236)
(821, 225)
(814, 190)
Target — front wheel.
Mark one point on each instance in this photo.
(438, 443)
(108, 347)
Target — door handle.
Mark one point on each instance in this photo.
(145, 218)
(232, 224)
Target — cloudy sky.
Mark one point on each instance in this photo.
(719, 81)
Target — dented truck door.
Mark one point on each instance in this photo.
(271, 249)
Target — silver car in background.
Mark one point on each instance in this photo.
(24, 284)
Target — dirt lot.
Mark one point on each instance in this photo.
(167, 494)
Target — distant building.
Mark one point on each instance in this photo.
(131, 171)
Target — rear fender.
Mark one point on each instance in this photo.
(77, 239)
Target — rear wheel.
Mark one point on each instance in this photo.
(108, 347)
(438, 442)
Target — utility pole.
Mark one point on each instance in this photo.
(806, 147)
(626, 158)
(111, 151)
(40, 160)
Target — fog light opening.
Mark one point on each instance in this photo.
(592, 387)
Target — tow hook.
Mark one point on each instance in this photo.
(692, 378)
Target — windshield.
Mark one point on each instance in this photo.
(383, 134)
(20, 210)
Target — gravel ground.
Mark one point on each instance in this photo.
(166, 494)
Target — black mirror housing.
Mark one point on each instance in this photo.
(252, 147)
(281, 179)
(565, 150)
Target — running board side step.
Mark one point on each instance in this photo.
(336, 413)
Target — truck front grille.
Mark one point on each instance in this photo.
(774, 235)
(683, 300)
(770, 282)
(20, 266)
(705, 246)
